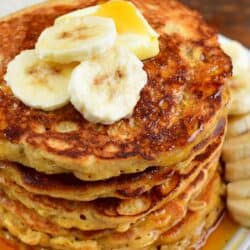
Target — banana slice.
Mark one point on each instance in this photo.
(240, 211)
(238, 170)
(134, 31)
(242, 220)
(241, 207)
(107, 88)
(236, 148)
(238, 125)
(238, 53)
(76, 39)
(240, 82)
(238, 201)
(39, 84)
(239, 190)
(240, 93)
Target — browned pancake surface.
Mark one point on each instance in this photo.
(184, 92)
(125, 186)
(168, 225)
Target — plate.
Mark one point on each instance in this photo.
(228, 236)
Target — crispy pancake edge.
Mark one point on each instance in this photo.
(94, 149)
(124, 187)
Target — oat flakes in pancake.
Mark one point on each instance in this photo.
(202, 212)
(109, 213)
(178, 206)
(190, 233)
(179, 105)
(160, 227)
(125, 186)
(190, 242)
(147, 231)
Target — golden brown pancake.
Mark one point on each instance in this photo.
(179, 106)
(167, 226)
(112, 212)
(145, 182)
(185, 195)
(66, 186)
(107, 213)
(197, 223)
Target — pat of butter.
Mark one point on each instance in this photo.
(134, 32)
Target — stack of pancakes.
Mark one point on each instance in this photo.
(150, 181)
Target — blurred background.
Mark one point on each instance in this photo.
(230, 17)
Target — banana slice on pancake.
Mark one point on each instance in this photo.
(107, 88)
(39, 84)
(134, 31)
(240, 82)
(76, 39)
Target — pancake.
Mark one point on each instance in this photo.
(149, 230)
(147, 182)
(185, 195)
(180, 105)
(170, 231)
(197, 223)
(112, 212)
(125, 186)
(108, 213)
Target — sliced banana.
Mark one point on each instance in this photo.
(242, 220)
(39, 84)
(238, 53)
(76, 39)
(240, 94)
(240, 82)
(240, 210)
(107, 88)
(238, 170)
(238, 125)
(236, 148)
(239, 189)
(134, 31)
(238, 201)
(240, 206)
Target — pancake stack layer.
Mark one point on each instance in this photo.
(148, 182)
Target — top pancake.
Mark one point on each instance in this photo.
(179, 105)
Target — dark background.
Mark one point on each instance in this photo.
(229, 17)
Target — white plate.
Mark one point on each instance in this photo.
(240, 241)
(8, 6)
